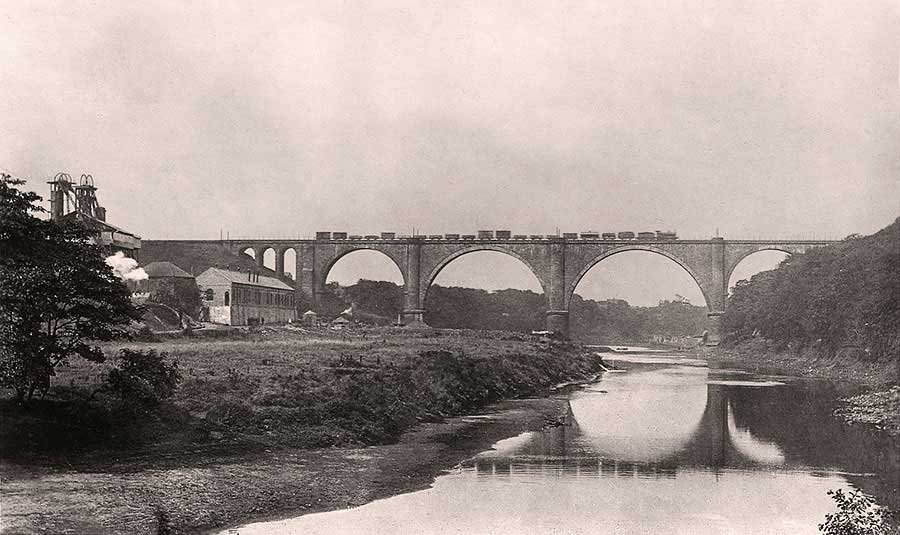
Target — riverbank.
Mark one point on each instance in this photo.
(878, 406)
(208, 467)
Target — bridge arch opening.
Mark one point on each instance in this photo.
(365, 284)
(635, 296)
(249, 251)
(290, 263)
(269, 258)
(484, 289)
(756, 262)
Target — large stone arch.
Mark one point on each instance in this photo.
(327, 261)
(449, 258)
(697, 277)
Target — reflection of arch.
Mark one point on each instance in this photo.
(637, 247)
(747, 254)
(342, 254)
(474, 249)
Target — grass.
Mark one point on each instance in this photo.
(244, 435)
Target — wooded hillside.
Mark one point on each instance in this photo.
(843, 298)
(609, 321)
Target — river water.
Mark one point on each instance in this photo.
(667, 446)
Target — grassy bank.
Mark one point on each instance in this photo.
(245, 434)
(878, 407)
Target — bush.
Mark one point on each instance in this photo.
(141, 380)
(858, 514)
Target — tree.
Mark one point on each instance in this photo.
(57, 296)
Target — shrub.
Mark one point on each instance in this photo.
(141, 380)
(857, 514)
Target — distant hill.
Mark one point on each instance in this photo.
(842, 298)
(197, 257)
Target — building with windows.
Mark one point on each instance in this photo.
(244, 298)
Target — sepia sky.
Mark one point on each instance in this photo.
(759, 119)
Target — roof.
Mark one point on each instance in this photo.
(166, 269)
(91, 221)
(214, 275)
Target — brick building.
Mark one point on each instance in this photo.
(244, 298)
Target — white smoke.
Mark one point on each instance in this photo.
(125, 268)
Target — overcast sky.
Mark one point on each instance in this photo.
(759, 119)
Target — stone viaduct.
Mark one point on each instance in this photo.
(559, 263)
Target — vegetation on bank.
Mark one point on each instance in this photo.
(880, 409)
(284, 388)
(833, 312)
(842, 300)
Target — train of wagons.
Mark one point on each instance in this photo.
(658, 235)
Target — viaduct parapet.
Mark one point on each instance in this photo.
(559, 263)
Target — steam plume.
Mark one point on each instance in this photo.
(126, 268)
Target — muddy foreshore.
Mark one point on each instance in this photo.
(189, 494)
(270, 425)
(878, 404)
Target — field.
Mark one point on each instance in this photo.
(273, 422)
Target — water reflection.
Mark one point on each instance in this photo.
(663, 448)
(647, 424)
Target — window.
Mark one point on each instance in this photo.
(209, 295)
(227, 298)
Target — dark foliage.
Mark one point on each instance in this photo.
(857, 514)
(141, 380)
(378, 302)
(180, 294)
(836, 298)
(57, 296)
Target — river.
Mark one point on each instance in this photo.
(667, 445)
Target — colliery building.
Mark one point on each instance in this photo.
(244, 298)
(79, 202)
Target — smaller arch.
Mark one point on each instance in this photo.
(570, 290)
(331, 262)
(267, 257)
(290, 262)
(423, 290)
(744, 256)
(286, 260)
